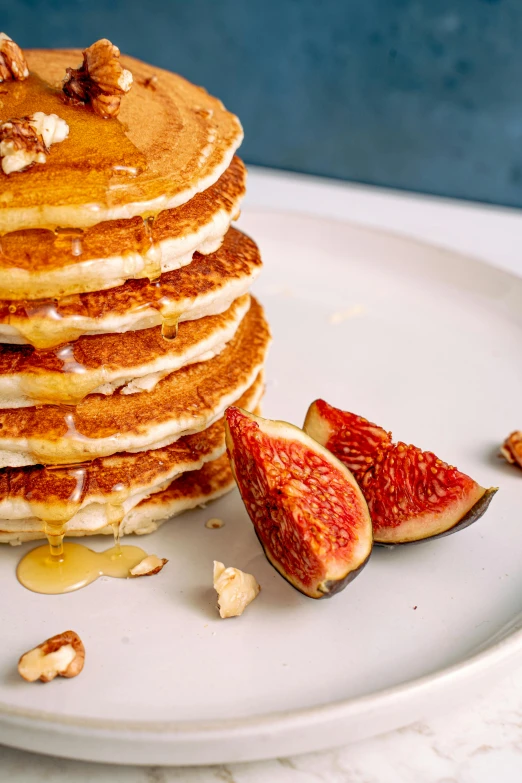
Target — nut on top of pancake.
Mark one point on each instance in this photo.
(101, 80)
(13, 65)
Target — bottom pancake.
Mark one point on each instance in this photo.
(189, 491)
(185, 492)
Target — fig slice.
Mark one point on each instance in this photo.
(412, 495)
(306, 507)
(353, 439)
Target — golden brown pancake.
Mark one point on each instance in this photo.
(134, 361)
(186, 401)
(208, 285)
(170, 141)
(28, 495)
(190, 490)
(36, 263)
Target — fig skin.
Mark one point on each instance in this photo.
(475, 512)
(409, 492)
(308, 511)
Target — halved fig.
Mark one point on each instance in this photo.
(306, 507)
(412, 495)
(353, 439)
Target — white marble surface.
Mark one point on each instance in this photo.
(480, 743)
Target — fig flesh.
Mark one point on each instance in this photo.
(353, 439)
(412, 495)
(306, 507)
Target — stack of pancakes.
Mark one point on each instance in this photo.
(111, 415)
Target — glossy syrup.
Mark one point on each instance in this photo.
(77, 567)
(42, 324)
(97, 164)
(61, 567)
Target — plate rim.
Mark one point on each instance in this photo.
(495, 655)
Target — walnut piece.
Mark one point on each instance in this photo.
(511, 449)
(214, 523)
(148, 566)
(235, 590)
(151, 82)
(51, 128)
(100, 79)
(13, 65)
(63, 655)
(26, 140)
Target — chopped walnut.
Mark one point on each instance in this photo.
(151, 82)
(63, 655)
(148, 566)
(20, 145)
(26, 140)
(235, 590)
(511, 449)
(100, 79)
(214, 523)
(51, 128)
(13, 65)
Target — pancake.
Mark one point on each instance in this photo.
(184, 402)
(28, 495)
(207, 286)
(132, 361)
(170, 141)
(39, 263)
(190, 490)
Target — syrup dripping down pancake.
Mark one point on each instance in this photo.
(190, 490)
(30, 494)
(184, 402)
(132, 361)
(36, 263)
(207, 286)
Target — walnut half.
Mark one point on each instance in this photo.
(511, 449)
(63, 655)
(100, 80)
(13, 65)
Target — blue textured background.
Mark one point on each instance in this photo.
(424, 95)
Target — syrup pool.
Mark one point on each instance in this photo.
(77, 566)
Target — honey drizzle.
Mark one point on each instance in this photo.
(98, 163)
(36, 320)
(165, 306)
(67, 388)
(55, 520)
(41, 324)
(60, 567)
(70, 239)
(151, 253)
(78, 567)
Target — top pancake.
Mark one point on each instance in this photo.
(170, 141)
(36, 262)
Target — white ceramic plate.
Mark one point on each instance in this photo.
(422, 341)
